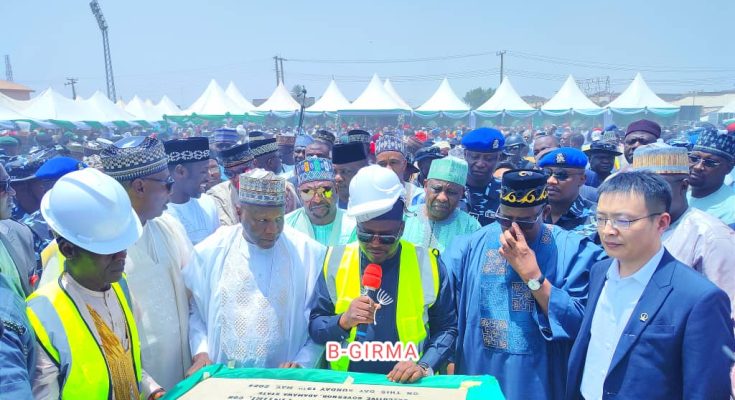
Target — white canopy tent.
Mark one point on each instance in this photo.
(8, 114)
(141, 111)
(445, 102)
(331, 101)
(168, 107)
(504, 101)
(51, 105)
(214, 101)
(15, 105)
(374, 100)
(394, 93)
(728, 109)
(639, 97)
(570, 99)
(280, 103)
(106, 108)
(235, 95)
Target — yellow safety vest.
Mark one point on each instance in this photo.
(66, 338)
(418, 288)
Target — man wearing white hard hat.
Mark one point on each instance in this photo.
(87, 338)
(415, 301)
(252, 285)
(154, 262)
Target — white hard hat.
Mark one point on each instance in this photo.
(373, 192)
(93, 211)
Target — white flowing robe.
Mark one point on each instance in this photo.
(251, 306)
(160, 299)
(199, 216)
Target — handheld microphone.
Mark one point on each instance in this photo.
(371, 280)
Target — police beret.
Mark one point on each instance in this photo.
(565, 157)
(484, 140)
(57, 167)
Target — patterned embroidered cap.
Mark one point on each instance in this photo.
(314, 169)
(718, 143)
(450, 169)
(390, 142)
(236, 155)
(134, 157)
(358, 135)
(256, 136)
(262, 188)
(661, 158)
(226, 135)
(522, 188)
(303, 141)
(263, 147)
(285, 139)
(182, 151)
(325, 137)
(565, 157)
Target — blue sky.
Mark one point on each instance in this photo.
(175, 47)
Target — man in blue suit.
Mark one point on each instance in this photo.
(653, 328)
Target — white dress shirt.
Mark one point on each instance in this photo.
(618, 298)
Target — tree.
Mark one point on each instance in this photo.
(296, 91)
(477, 96)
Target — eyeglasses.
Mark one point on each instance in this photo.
(560, 174)
(620, 223)
(5, 186)
(524, 224)
(236, 171)
(707, 162)
(169, 181)
(366, 237)
(324, 191)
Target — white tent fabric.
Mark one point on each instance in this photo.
(638, 97)
(443, 100)
(214, 101)
(52, 105)
(374, 99)
(728, 109)
(15, 105)
(141, 111)
(570, 98)
(505, 100)
(168, 107)
(106, 108)
(279, 101)
(331, 101)
(235, 95)
(120, 103)
(394, 93)
(8, 114)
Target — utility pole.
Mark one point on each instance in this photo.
(97, 11)
(8, 69)
(72, 82)
(281, 59)
(278, 72)
(502, 56)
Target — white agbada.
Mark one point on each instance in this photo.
(251, 306)
(160, 301)
(198, 216)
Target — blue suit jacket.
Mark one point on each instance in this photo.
(675, 353)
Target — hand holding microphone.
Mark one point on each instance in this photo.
(362, 309)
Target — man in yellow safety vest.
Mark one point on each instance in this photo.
(413, 332)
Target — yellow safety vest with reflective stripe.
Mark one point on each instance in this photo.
(67, 339)
(418, 288)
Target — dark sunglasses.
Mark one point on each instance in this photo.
(524, 224)
(169, 181)
(560, 175)
(707, 162)
(382, 239)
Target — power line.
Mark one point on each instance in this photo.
(388, 60)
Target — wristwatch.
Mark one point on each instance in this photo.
(428, 371)
(535, 284)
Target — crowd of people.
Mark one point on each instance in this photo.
(567, 264)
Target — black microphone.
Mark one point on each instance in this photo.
(371, 280)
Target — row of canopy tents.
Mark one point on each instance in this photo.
(378, 98)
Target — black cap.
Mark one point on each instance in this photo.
(521, 188)
(348, 152)
(602, 147)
